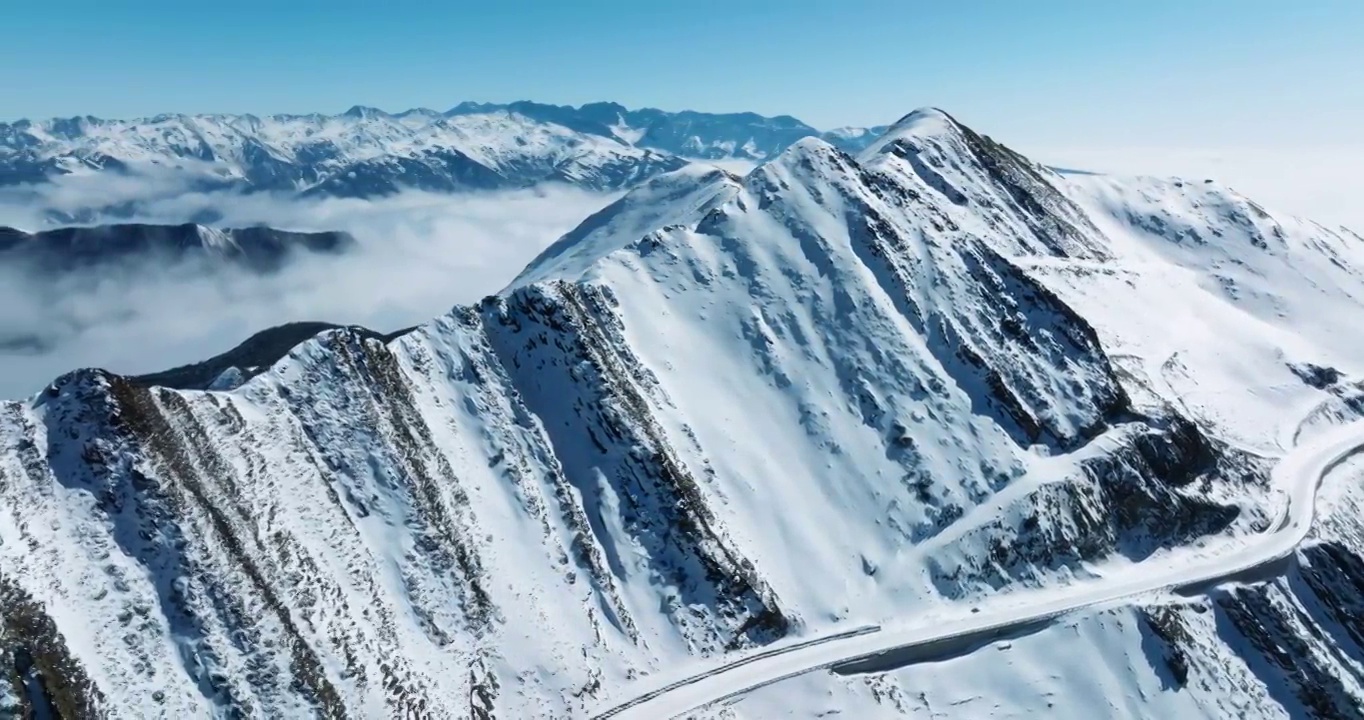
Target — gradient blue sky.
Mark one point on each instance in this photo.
(1195, 73)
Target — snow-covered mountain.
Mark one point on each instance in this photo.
(361, 153)
(69, 249)
(366, 152)
(924, 382)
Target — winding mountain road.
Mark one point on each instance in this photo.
(872, 649)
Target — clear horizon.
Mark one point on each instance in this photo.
(1055, 72)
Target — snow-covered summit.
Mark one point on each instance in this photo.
(924, 121)
(670, 199)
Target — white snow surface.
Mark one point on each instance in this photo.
(722, 417)
(1300, 473)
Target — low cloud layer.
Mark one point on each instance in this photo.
(419, 255)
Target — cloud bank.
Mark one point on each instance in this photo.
(419, 254)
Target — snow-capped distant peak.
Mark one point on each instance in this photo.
(214, 239)
(69, 249)
(365, 112)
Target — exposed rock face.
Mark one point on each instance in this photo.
(722, 412)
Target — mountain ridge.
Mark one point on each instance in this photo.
(688, 133)
(360, 155)
(366, 152)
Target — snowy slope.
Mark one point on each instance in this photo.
(1233, 315)
(877, 648)
(724, 413)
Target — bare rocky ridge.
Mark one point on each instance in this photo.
(251, 357)
(723, 412)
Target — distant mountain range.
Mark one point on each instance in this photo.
(707, 136)
(366, 152)
(62, 250)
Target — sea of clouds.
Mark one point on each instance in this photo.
(418, 255)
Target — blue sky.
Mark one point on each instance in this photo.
(1196, 73)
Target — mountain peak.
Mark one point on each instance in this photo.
(69, 249)
(925, 114)
(930, 149)
(812, 144)
(603, 106)
(680, 197)
(468, 106)
(810, 156)
(364, 112)
(925, 122)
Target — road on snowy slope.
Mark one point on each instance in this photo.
(873, 649)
